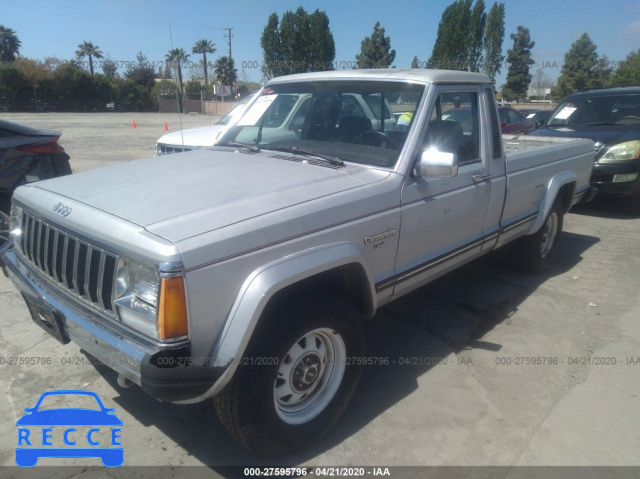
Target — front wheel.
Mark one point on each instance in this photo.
(297, 377)
(534, 253)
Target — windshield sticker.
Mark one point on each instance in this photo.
(565, 113)
(257, 110)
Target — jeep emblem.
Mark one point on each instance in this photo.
(62, 209)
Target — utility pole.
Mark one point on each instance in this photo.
(228, 36)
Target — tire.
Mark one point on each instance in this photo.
(61, 165)
(534, 253)
(280, 407)
(5, 203)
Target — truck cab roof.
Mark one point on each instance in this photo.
(408, 74)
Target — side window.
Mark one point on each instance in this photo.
(514, 117)
(455, 126)
(279, 110)
(350, 107)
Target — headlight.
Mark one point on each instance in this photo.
(15, 227)
(628, 150)
(151, 302)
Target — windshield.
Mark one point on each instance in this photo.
(598, 110)
(344, 120)
(235, 112)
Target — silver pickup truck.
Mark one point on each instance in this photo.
(246, 272)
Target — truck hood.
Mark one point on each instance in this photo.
(201, 136)
(186, 194)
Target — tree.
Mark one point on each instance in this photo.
(460, 39)
(519, 61)
(299, 43)
(15, 94)
(580, 69)
(271, 51)
(628, 73)
(176, 58)
(109, 67)
(493, 38)
(142, 73)
(9, 44)
(475, 37)
(415, 63)
(322, 49)
(225, 71)
(375, 51)
(88, 49)
(204, 47)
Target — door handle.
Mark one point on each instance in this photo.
(481, 176)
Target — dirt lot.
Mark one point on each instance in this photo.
(487, 366)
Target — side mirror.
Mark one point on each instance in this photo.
(437, 164)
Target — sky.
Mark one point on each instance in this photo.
(122, 28)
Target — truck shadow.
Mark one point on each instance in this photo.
(604, 206)
(433, 324)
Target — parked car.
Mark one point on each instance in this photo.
(249, 275)
(511, 121)
(611, 118)
(203, 136)
(539, 117)
(26, 155)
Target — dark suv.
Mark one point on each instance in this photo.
(611, 118)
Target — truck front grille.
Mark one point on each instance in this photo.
(84, 270)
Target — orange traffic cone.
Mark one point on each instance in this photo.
(133, 125)
(165, 126)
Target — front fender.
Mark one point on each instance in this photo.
(553, 188)
(263, 283)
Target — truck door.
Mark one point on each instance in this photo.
(443, 219)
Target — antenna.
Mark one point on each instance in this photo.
(177, 92)
(228, 36)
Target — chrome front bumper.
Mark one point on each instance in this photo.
(179, 380)
(122, 354)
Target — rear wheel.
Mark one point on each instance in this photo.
(534, 253)
(296, 378)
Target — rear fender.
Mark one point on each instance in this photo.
(554, 188)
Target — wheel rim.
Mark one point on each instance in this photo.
(309, 375)
(549, 232)
(4, 230)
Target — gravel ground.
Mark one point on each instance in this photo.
(487, 366)
(100, 139)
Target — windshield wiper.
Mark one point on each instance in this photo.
(235, 144)
(334, 160)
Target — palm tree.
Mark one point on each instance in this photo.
(176, 58)
(88, 49)
(225, 71)
(9, 44)
(204, 47)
